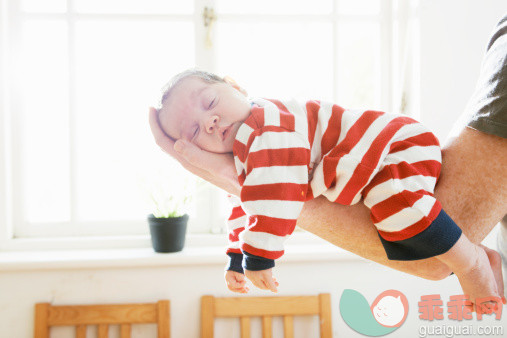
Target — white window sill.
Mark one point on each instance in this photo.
(199, 250)
(302, 248)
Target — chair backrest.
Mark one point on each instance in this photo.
(266, 308)
(80, 316)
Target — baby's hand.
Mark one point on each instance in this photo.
(262, 279)
(236, 281)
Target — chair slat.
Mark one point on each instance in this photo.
(103, 331)
(326, 330)
(41, 327)
(245, 327)
(102, 314)
(266, 306)
(207, 316)
(288, 326)
(125, 331)
(81, 331)
(267, 327)
(163, 319)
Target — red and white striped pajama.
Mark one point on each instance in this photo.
(289, 152)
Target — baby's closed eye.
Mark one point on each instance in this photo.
(195, 132)
(211, 103)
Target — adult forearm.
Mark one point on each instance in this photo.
(471, 189)
(351, 228)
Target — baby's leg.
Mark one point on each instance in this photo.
(411, 223)
(471, 189)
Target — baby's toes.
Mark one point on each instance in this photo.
(495, 260)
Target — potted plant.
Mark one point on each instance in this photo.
(168, 226)
(170, 193)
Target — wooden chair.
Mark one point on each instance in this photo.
(124, 315)
(266, 307)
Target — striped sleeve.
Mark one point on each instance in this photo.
(273, 192)
(235, 225)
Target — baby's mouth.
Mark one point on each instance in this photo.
(226, 132)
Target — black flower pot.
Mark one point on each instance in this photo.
(168, 234)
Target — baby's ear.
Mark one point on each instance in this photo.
(234, 84)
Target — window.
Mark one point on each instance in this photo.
(79, 75)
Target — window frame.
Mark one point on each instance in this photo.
(15, 235)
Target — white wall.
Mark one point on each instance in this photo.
(453, 38)
(184, 285)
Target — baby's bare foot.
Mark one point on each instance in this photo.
(495, 261)
(478, 281)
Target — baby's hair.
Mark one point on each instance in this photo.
(200, 74)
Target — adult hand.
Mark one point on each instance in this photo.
(217, 169)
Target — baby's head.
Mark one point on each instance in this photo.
(203, 108)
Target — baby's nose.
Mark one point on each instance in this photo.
(212, 124)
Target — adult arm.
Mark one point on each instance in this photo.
(471, 189)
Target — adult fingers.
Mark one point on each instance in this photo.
(162, 140)
(220, 165)
(233, 83)
(193, 154)
(185, 152)
(219, 169)
(165, 142)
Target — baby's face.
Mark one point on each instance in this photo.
(209, 115)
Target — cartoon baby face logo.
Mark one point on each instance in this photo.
(386, 314)
(390, 308)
